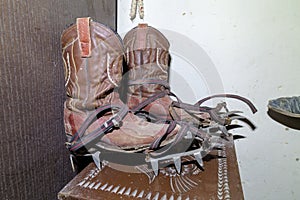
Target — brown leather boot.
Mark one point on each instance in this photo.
(93, 57)
(97, 122)
(147, 57)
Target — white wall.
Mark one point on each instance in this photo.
(255, 47)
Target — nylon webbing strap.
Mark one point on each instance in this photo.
(84, 36)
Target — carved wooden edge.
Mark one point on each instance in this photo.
(228, 184)
(232, 186)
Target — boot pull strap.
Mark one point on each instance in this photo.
(84, 36)
(141, 36)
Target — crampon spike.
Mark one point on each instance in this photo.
(177, 163)
(97, 160)
(198, 158)
(154, 165)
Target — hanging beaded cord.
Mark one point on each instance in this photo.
(134, 5)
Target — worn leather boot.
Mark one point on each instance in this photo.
(93, 57)
(147, 58)
(98, 123)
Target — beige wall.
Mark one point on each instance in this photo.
(255, 48)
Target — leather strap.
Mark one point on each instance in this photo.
(150, 100)
(159, 140)
(84, 36)
(252, 107)
(141, 36)
(244, 119)
(89, 120)
(190, 107)
(212, 111)
(149, 81)
(179, 137)
(79, 139)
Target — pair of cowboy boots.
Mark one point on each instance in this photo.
(150, 128)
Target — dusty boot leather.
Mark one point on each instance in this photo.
(147, 58)
(93, 58)
(98, 123)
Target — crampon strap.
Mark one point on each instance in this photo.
(233, 96)
(79, 139)
(149, 81)
(196, 107)
(188, 107)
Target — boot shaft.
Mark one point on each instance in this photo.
(93, 57)
(147, 57)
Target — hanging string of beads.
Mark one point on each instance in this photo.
(137, 4)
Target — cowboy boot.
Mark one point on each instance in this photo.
(148, 58)
(96, 120)
(93, 58)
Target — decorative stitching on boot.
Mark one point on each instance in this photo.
(108, 71)
(69, 69)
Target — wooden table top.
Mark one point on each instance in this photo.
(219, 180)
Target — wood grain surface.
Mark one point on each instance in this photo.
(220, 180)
